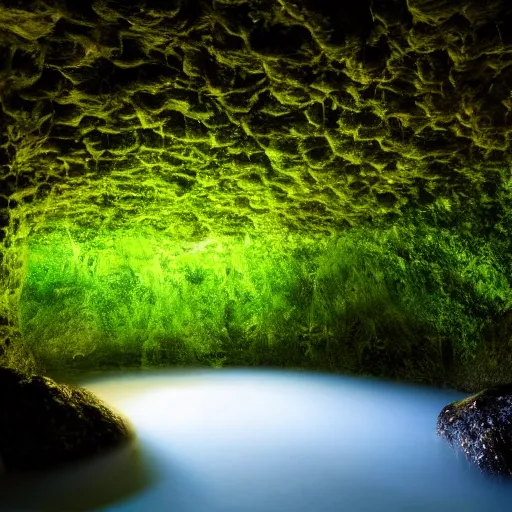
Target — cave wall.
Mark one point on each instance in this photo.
(227, 117)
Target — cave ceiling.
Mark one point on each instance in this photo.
(223, 117)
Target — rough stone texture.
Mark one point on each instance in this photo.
(481, 426)
(43, 424)
(234, 116)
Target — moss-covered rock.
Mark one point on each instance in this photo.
(44, 424)
(481, 425)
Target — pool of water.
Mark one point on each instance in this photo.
(267, 441)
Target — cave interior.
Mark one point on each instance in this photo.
(289, 183)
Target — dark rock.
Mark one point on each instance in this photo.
(481, 425)
(44, 424)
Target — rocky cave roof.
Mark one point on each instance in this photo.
(231, 116)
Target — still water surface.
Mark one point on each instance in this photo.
(267, 441)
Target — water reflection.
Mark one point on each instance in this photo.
(253, 440)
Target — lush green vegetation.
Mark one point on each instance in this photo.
(420, 299)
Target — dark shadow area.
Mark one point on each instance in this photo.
(100, 482)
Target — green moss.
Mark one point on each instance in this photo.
(410, 300)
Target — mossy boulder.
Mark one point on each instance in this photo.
(44, 424)
(481, 425)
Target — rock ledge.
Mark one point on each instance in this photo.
(481, 425)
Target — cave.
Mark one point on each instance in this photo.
(294, 185)
(269, 183)
(257, 183)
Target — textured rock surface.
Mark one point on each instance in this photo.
(43, 424)
(231, 115)
(481, 426)
(234, 116)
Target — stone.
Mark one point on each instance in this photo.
(44, 424)
(481, 426)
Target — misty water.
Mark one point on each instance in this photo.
(267, 441)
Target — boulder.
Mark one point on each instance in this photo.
(44, 424)
(481, 426)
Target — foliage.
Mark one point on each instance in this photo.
(408, 300)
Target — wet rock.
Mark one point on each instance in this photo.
(481, 425)
(44, 424)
